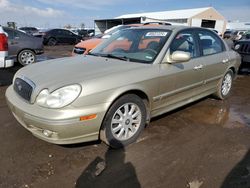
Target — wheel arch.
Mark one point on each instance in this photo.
(137, 92)
(50, 37)
(233, 70)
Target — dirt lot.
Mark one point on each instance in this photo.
(205, 144)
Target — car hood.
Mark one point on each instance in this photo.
(89, 44)
(65, 71)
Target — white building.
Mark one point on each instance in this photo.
(202, 17)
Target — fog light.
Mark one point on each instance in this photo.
(47, 133)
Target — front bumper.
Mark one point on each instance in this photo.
(58, 126)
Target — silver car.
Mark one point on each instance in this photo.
(110, 94)
(23, 48)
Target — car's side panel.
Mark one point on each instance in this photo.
(179, 82)
(215, 66)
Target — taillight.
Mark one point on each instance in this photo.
(3, 42)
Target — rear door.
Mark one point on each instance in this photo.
(214, 57)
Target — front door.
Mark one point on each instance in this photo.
(181, 81)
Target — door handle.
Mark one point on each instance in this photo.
(225, 61)
(198, 67)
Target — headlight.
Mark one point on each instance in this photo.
(58, 98)
(237, 46)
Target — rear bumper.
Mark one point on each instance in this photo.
(5, 62)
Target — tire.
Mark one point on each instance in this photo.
(26, 57)
(225, 85)
(124, 121)
(52, 42)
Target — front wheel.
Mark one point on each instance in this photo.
(225, 85)
(26, 57)
(124, 121)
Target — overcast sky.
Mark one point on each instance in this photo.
(57, 13)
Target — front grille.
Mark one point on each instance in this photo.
(244, 48)
(23, 88)
(78, 50)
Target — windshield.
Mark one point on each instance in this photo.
(137, 45)
(115, 29)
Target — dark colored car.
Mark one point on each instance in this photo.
(243, 48)
(60, 36)
(23, 47)
(227, 34)
(29, 30)
(246, 35)
(86, 33)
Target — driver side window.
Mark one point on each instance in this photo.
(184, 41)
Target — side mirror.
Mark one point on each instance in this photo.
(180, 56)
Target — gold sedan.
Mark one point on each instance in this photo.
(111, 93)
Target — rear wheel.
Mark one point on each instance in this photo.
(124, 121)
(225, 85)
(52, 42)
(26, 57)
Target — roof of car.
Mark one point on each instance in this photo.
(168, 27)
(172, 27)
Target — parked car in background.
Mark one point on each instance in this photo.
(86, 33)
(243, 48)
(237, 35)
(29, 30)
(227, 34)
(23, 48)
(60, 36)
(111, 93)
(246, 35)
(5, 61)
(85, 46)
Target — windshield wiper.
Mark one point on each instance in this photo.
(124, 58)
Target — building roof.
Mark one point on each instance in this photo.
(173, 14)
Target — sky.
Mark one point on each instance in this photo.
(58, 13)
